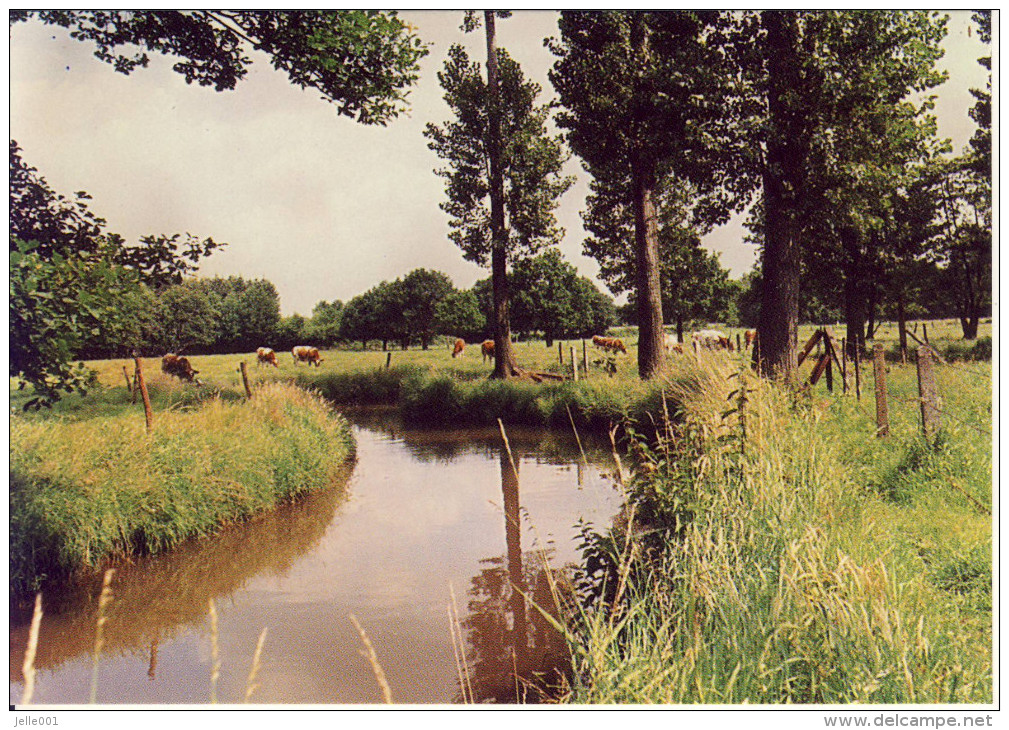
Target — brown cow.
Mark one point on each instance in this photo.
(266, 356)
(487, 349)
(304, 353)
(179, 366)
(750, 337)
(458, 348)
(609, 344)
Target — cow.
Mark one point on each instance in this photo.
(179, 366)
(304, 353)
(750, 337)
(487, 349)
(266, 356)
(458, 348)
(609, 344)
(673, 343)
(713, 339)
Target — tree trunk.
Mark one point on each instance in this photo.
(969, 327)
(784, 175)
(679, 327)
(651, 348)
(651, 345)
(504, 356)
(902, 325)
(854, 315)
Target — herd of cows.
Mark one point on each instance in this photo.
(180, 367)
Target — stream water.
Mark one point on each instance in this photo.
(426, 524)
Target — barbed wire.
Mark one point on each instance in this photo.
(966, 370)
(946, 413)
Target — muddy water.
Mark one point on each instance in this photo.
(421, 517)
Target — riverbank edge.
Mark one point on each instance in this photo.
(428, 398)
(772, 560)
(86, 493)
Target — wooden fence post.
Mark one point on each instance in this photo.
(844, 365)
(928, 394)
(924, 332)
(560, 352)
(585, 358)
(739, 343)
(879, 370)
(142, 387)
(129, 385)
(245, 379)
(830, 370)
(388, 360)
(574, 364)
(858, 372)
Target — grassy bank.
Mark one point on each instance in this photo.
(797, 558)
(87, 489)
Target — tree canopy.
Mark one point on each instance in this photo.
(363, 61)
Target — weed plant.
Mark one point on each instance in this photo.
(798, 560)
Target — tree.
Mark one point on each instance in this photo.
(459, 315)
(421, 292)
(361, 60)
(72, 285)
(962, 243)
(981, 111)
(693, 283)
(640, 91)
(503, 167)
(57, 301)
(550, 298)
(189, 318)
(324, 326)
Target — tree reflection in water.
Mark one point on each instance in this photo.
(515, 655)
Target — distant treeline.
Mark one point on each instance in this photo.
(234, 314)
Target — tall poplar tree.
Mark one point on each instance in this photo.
(494, 221)
(641, 93)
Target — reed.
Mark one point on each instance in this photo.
(104, 599)
(28, 666)
(815, 565)
(250, 685)
(369, 653)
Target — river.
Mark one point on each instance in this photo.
(429, 540)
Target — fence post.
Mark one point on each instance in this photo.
(574, 365)
(142, 387)
(928, 394)
(739, 343)
(858, 372)
(129, 385)
(245, 379)
(830, 369)
(924, 332)
(585, 358)
(560, 352)
(388, 360)
(879, 370)
(844, 365)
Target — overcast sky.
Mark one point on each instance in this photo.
(321, 206)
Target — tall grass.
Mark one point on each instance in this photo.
(85, 491)
(778, 570)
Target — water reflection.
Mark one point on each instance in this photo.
(158, 598)
(424, 511)
(516, 655)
